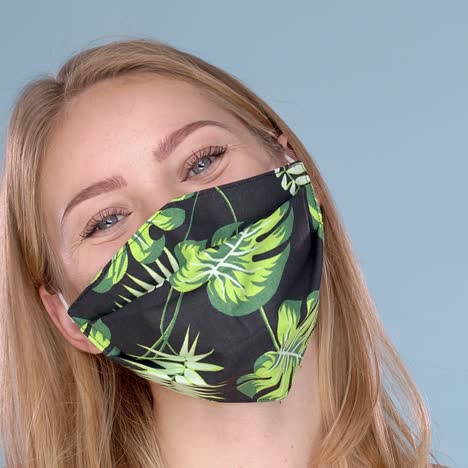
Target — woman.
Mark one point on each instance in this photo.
(105, 164)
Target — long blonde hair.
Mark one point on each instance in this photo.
(61, 407)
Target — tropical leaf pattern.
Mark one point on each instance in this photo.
(179, 371)
(98, 333)
(274, 370)
(216, 295)
(292, 177)
(143, 248)
(315, 212)
(237, 284)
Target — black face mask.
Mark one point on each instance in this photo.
(216, 295)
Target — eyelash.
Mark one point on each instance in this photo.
(209, 152)
(101, 216)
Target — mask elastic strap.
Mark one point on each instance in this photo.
(289, 158)
(65, 304)
(62, 299)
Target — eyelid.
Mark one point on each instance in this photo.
(210, 151)
(203, 151)
(208, 148)
(90, 227)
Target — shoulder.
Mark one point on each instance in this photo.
(439, 466)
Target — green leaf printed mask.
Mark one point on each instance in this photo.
(216, 295)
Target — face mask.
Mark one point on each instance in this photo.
(216, 295)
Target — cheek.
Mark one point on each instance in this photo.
(80, 272)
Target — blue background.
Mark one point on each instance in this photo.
(377, 91)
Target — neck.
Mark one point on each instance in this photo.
(285, 433)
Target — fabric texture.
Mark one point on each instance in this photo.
(216, 295)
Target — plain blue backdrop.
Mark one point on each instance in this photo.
(377, 91)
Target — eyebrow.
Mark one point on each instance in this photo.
(161, 152)
(170, 142)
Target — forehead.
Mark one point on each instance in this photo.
(127, 100)
(124, 116)
(111, 124)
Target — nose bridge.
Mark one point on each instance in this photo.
(156, 192)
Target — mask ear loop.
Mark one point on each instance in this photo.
(275, 136)
(62, 299)
(65, 304)
(288, 158)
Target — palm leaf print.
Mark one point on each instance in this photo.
(293, 177)
(148, 287)
(236, 283)
(180, 371)
(275, 370)
(142, 247)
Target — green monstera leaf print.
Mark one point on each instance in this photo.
(117, 270)
(99, 334)
(236, 283)
(182, 371)
(142, 247)
(275, 370)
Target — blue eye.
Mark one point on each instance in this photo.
(101, 221)
(200, 162)
(203, 159)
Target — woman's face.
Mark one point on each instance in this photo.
(123, 149)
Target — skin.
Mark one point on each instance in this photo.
(111, 129)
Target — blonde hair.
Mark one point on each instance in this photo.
(63, 407)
